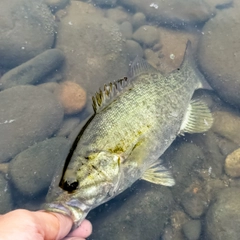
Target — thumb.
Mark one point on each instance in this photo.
(56, 226)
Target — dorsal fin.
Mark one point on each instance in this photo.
(139, 66)
(110, 91)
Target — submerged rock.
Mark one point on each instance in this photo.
(146, 35)
(194, 204)
(26, 30)
(232, 164)
(138, 20)
(5, 196)
(32, 170)
(72, 97)
(222, 220)
(172, 12)
(218, 51)
(141, 215)
(28, 115)
(34, 70)
(227, 124)
(100, 55)
(192, 229)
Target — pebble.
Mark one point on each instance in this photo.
(32, 170)
(220, 4)
(172, 234)
(183, 159)
(118, 15)
(178, 218)
(28, 114)
(5, 196)
(172, 12)
(56, 5)
(146, 35)
(34, 70)
(134, 49)
(68, 127)
(192, 229)
(49, 86)
(126, 29)
(214, 159)
(232, 164)
(138, 20)
(72, 97)
(105, 3)
(222, 219)
(33, 34)
(173, 48)
(194, 205)
(227, 124)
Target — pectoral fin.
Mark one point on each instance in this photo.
(198, 118)
(158, 174)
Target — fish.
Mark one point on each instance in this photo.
(135, 120)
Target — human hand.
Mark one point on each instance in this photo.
(27, 225)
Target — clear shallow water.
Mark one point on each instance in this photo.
(46, 94)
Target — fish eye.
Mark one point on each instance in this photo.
(70, 186)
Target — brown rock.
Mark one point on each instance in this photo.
(170, 56)
(232, 164)
(72, 97)
(227, 125)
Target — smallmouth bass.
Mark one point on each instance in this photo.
(135, 121)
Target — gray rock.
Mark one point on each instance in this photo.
(49, 86)
(32, 170)
(5, 196)
(134, 49)
(192, 229)
(34, 70)
(28, 114)
(214, 159)
(218, 54)
(118, 15)
(222, 220)
(172, 12)
(172, 234)
(100, 56)
(26, 30)
(56, 5)
(69, 126)
(138, 20)
(126, 29)
(105, 3)
(140, 215)
(184, 158)
(147, 35)
(220, 4)
(194, 205)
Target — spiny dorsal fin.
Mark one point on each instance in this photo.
(139, 66)
(110, 91)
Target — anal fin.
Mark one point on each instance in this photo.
(197, 119)
(158, 174)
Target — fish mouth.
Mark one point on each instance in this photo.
(73, 209)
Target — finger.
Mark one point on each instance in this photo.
(53, 225)
(84, 230)
(74, 238)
